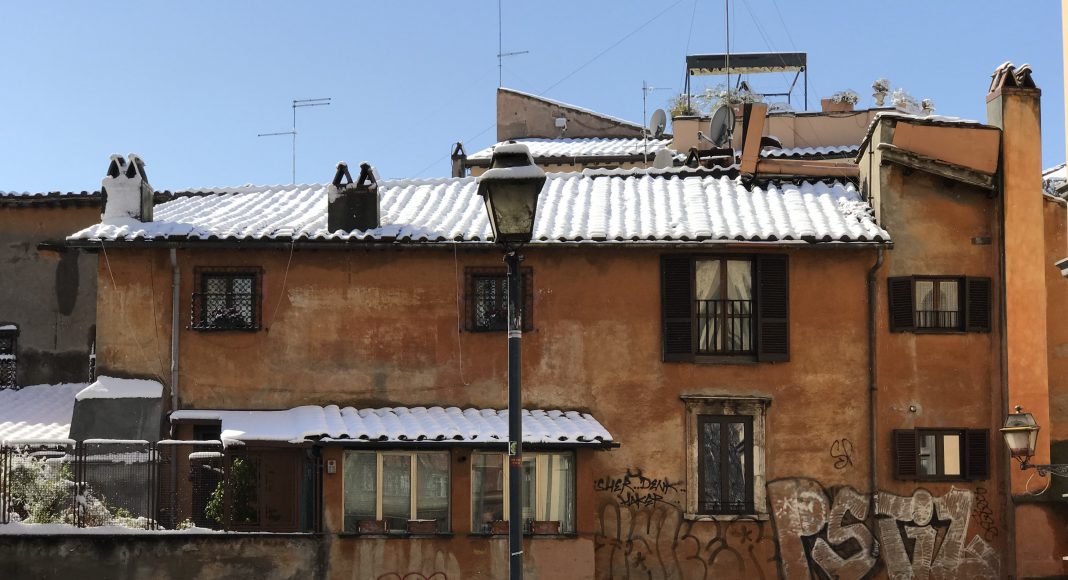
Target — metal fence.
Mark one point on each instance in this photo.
(157, 486)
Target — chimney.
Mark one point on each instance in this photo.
(353, 206)
(1013, 105)
(126, 191)
(459, 157)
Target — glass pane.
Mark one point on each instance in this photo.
(708, 280)
(529, 489)
(432, 498)
(242, 286)
(558, 483)
(928, 455)
(360, 482)
(736, 476)
(216, 286)
(951, 454)
(925, 297)
(396, 491)
(487, 490)
(739, 280)
(948, 304)
(710, 454)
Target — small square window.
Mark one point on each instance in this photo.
(226, 300)
(396, 492)
(940, 304)
(941, 454)
(548, 485)
(487, 299)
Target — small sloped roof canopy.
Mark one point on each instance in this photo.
(746, 63)
(401, 424)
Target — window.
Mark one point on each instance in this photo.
(9, 337)
(260, 491)
(941, 454)
(725, 456)
(548, 490)
(226, 299)
(725, 308)
(487, 299)
(939, 304)
(396, 491)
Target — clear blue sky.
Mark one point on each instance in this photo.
(188, 85)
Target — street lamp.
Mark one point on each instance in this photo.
(1021, 434)
(510, 189)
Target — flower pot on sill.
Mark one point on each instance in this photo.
(499, 527)
(545, 527)
(422, 526)
(373, 527)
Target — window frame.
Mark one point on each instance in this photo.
(724, 260)
(973, 453)
(540, 466)
(471, 275)
(10, 356)
(936, 282)
(974, 303)
(752, 409)
(747, 423)
(413, 500)
(202, 276)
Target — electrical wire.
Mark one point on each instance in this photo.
(282, 291)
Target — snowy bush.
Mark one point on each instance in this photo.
(847, 96)
(40, 492)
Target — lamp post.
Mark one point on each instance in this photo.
(510, 189)
(1021, 434)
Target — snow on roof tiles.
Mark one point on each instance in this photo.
(43, 194)
(799, 152)
(37, 412)
(589, 147)
(612, 206)
(401, 424)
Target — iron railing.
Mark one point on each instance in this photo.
(946, 319)
(724, 326)
(225, 311)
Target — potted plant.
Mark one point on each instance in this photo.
(840, 101)
(422, 526)
(373, 527)
(499, 527)
(540, 528)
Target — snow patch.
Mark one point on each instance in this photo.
(115, 388)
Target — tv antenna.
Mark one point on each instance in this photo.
(297, 104)
(500, 48)
(656, 124)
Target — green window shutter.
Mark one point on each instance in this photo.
(676, 300)
(902, 317)
(772, 308)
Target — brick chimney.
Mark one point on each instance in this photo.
(1013, 105)
(126, 191)
(353, 206)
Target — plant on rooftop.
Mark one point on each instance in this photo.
(847, 96)
(705, 102)
(903, 101)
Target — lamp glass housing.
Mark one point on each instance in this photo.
(1021, 435)
(510, 189)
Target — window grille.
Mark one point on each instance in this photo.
(9, 335)
(226, 300)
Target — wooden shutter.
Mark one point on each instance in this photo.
(772, 309)
(905, 454)
(902, 317)
(977, 453)
(676, 299)
(977, 304)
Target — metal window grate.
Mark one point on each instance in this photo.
(227, 301)
(724, 326)
(8, 359)
(491, 302)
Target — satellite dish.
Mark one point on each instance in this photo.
(721, 127)
(664, 158)
(658, 123)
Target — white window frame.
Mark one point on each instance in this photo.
(751, 406)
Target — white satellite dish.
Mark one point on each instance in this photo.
(664, 158)
(722, 126)
(658, 123)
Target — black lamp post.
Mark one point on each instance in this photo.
(1021, 435)
(510, 189)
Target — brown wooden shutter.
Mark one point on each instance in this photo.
(977, 453)
(676, 297)
(901, 308)
(773, 308)
(905, 453)
(977, 304)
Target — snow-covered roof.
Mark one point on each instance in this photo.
(801, 152)
(400, 424)
(37, 412)
(1053, 178)
(42, 194)
(115, 388)
(589, 147)
(607, 206)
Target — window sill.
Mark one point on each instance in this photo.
(219, 329)
(704, 359)
(528, 536)
(402, 536)
(726, 517)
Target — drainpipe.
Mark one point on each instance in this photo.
(175, 280)
(873, 384)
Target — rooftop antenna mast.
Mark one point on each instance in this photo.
(646, 89)
(500, 48)
(297, 103)
(727, 22)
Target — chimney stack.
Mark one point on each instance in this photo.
(353, 206)
(126, 191)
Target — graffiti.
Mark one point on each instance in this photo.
(634, 489)
(842, 453)
(984, 516)
(653, 539)
(919, 536)
(413, 576)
